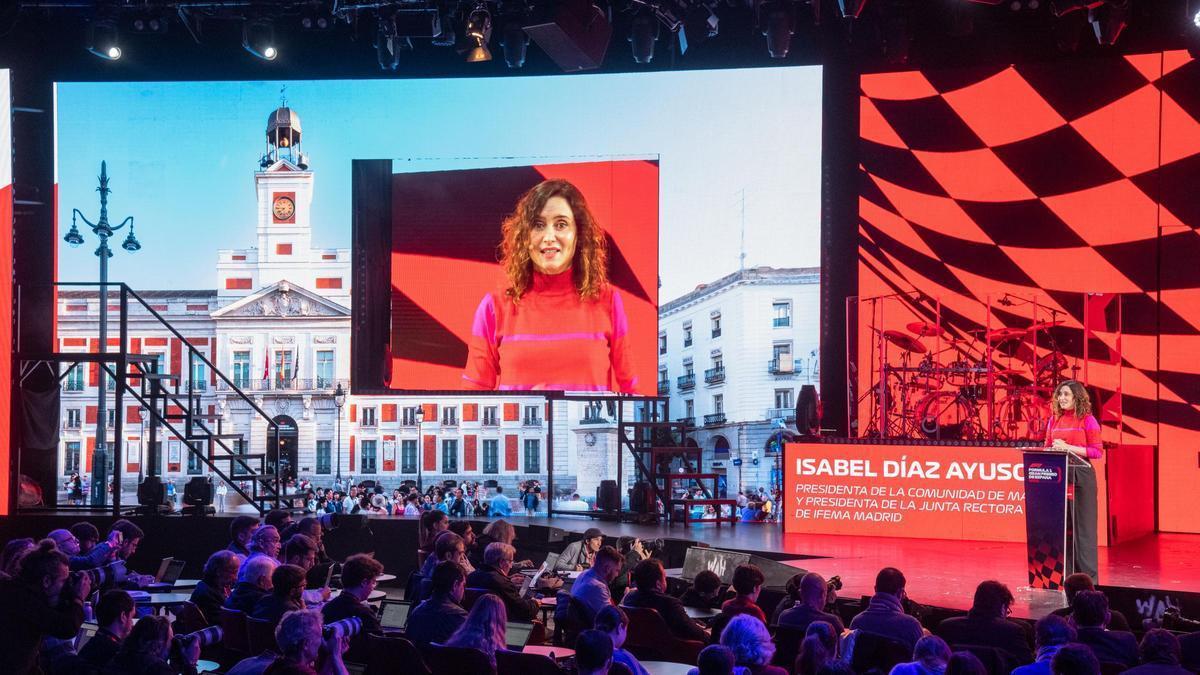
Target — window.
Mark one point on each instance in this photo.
(490, 416)
(532, 418)
(110, 418)
(284, 365)
(198, 377)
(781, 313)
(533, 454)
(71, 458)
(716, 325)
(324, 460)
(368, 417)
(449, 416)
(409, 417)
(491, 455)
(687, 334)
(718, 362)
(718, 404)
(449, 456)
(689, 408)
(662, 343)
(688, 368)
(781, 353)
(368, 456)
(408, 456)
(241, 369)
(193, 459)
(783, 398)
(324, 369)
(74, 380)
(73, 418)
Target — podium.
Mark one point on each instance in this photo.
(1047, 475)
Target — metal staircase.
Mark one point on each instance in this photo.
(254, 476)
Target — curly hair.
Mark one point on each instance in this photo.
(590, 267)
(749, 641)
(1083, 402)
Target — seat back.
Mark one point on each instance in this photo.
(412, 586)
(442, 659)
(650, 639)
(996, 661)
(516, 663)
(787, 645)
(571, 617)
(877, 653)
(260, 634)
(189, 618)
(389, 654)
(233, 627)
(470, 595)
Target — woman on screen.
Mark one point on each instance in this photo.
(1073, 429)
(558, 324)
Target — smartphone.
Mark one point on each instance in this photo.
(328, 576)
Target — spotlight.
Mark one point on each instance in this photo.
(777, 20)
(1196, 18)
(386, 50)
(258, 38)
(313, 18)
(643, 34)
(479, 34)
(515, 44)
(1109, 20)
(149, 23)
(103, 40)
(852, 9)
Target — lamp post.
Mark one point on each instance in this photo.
(102, 229)
(420, 448)
(339, 399)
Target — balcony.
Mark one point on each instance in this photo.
(714, 419)
(714, 375)
(781, 322)
(489, 421)
(686, 381)
(784, 366)
(531, 422)
(450, 421)
(716, 333)
(664, 387)
(279, 384)
(688, 422)
(73, 385)
(785, 414)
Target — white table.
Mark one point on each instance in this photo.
(666, 668)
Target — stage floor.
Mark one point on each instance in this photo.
(940, 572)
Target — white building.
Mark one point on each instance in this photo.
(733, 355)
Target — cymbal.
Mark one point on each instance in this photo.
(904, 341)
(925, 329)
(1043, 325)
(1002, 334)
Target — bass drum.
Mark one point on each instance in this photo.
(945, 415)
(1022, 415)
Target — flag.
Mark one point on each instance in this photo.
(266, 364)
(296, 366)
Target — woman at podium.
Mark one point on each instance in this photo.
(1074, 430)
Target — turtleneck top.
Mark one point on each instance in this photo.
(1084, 433)
(550, 340)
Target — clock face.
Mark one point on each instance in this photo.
(283, 208)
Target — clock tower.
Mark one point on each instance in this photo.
(284, 187)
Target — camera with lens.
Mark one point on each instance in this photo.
(344, 629)
(834, 584)
(1173, 619)
(206, 637)
(107, 575)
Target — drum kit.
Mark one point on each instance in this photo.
(987, 385)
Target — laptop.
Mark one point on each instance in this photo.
(551, 561)
(516, 634)
(169, 571)
(86, 632)
(393, 614)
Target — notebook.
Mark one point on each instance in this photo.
(393, 614)
(517, 633)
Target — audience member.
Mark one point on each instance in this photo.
(810, 603)
(747, 584)
(885, 615)
(632, 552)
(68, 543)
(614, 622)
(301, 644)
(218, 577)
(10, 557)
(302, 551)
(463, 529)
(715, 660)
(987, 624)
(591, 588)
(1074, 659)
(115, 612)
(1110, 646)
(287, 595)
(278, 519)
(650, 585)
(747, 637)
(446, 546)
(965, 663)
(930, 657)
(239, 534)
(812, 656)
(436, 618)
(824, 631)
(704, 592)
(359, 574)
(253, 584)
(791, 596)
(1160, 654)
(432, 524)
(501, 531)
(578, 554)
(483, 629)
(1080, 581)
(131, 537)
(146, 651)
(264, 541)
(87, 534)
(593, 653)
(44, 599)
(492, 575)
(311, 528)
(1050, 633)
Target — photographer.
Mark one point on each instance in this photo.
(302, 649)
(147, 651)
(813, 598)
(114, 614)
(128, 536)
(44, 599)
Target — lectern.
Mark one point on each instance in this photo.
(1047, 475)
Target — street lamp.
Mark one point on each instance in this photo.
(420, 450)
(102, 229)
(339, 399)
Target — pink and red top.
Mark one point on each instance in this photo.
(551, 340)
(1084, 433)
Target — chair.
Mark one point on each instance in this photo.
(233, 626)
(442, 659)
(996, 661)
(877, 653)
(787, 645)
(386, 655)
(650, 639)
(470, 595)
(571, 617)
(516, 663)
(260, 633)
(189, 618)
(412, 586)
(1112, 667)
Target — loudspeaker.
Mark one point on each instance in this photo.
(608, 496)
(575, 36)
(808, 419)
(641, 497)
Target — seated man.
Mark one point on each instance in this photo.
(987, 624)
(650, 586)
(492, 576)
(1091, 617)
(591, 588)
(264, 541)
(436, 619)
(300, 643)
(1074, 659)
(44, 599)
(99, 555)
(287, 589)
(1050, 634)
(578, 554)
(130, 537)
(885, 615)
(614, 622)
(87, 534)
(747, 584)
(254, 583)
(593, 653)
(447, 547)
(705, 591)
(301, 551)
(219, 575)
(115, 613)
(810, 606)
(1161, 654)
(1077, 582)
(278, 519)
(239, 534)
(359, 573)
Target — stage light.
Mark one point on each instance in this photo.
(643, 35)
(103, 40)
(386, 47)
(852, 9)
(479, 33)
(777, 21)
(1109, 21)
(515, 43)
(258, 38)
(315, 18)
(1196, 17)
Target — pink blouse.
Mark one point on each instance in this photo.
(1085, 433)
